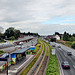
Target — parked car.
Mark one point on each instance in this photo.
(69, 53)
(65, 65)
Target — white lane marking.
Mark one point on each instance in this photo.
(74, 66)
(65, 55)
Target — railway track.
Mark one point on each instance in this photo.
(40, 66)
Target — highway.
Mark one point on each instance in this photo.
(27, 44)
(62, 55)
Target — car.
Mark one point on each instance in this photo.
(53, 45)
(59, 46)
(69, 53)
(65, 65)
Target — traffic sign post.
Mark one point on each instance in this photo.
(32, 48)
(53, 51)
(7, 66)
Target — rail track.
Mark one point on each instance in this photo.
(40, 66)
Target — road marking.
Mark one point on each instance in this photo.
(74, 66)
(65, 55)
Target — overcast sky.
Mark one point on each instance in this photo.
(41, 16)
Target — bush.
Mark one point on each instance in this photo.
(12, 38)
(72, 39)
(53, 39)
(52, 68)
(73, 45)
(1, 51)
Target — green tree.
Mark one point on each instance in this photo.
(9, 32)
(17, 34)
(73, 45)
(12, 38)
(72, 39)
(73, 35)
(66, 36)
(12, 32)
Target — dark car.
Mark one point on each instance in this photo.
(53, 45)
(69, 53)
(65, 65)
(59, 46)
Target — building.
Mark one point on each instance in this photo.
(57, 37)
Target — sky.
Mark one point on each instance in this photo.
(39, 16)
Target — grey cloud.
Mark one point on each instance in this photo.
(30, 14)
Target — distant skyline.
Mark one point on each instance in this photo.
(40, 16)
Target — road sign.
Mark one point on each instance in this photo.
(3, 59)
(53, 51)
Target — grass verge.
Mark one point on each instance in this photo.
(53, 67)
(68, 43)
(44, 50)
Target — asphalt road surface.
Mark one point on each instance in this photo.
(62, 55)
(28, 44)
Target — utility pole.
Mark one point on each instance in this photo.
(7, 66)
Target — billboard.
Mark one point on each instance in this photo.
(53, 51)
(32, 48)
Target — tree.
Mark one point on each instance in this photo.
(12, 32)
(73, 35)
(12, 38)
(9, 32)
(72, 39)
(66, 36)
(57, 33)
(73, 45)
(17, 33)
(53, 39)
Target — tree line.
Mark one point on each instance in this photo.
(11, 34)
(68, 37)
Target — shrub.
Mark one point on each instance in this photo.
(12, 38)
(1, 51)
(73, 45)
(72, 39)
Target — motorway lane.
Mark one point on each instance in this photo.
(62, 54)
(63, 57)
